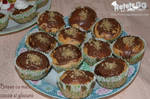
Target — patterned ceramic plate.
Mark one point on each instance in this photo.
(14, 27)
(48, 87)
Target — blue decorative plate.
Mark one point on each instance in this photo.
(48, 87)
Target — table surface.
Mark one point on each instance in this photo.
(134, 23)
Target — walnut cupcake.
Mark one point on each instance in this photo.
(107, 28)
(32, 65)
(83, 18)
(111, 72)
(71, 35)
(24, 11)
(3, 20)
(40, 41)
(66, 57)
(76, 84)
(95, 50)
(130, 48)
(50, 22)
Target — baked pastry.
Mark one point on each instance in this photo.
(83, 18)
(40, 41)
(130, 48)
(66, 57)
(32, 65)
(71, 35)
(3, 20)
(107, 28)
(111, 72)
(24, 11)
(40, 3)
(76, 84)
(50, 22)
(95, 50)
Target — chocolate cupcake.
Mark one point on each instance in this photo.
(71, 35)
(76, 84)
(3, 20)
(24, 11)
(111, 72)
(66, 57)
(40, 41)
(50, 22)
(108, 29)
(83, 18)
(32, 65)
(130, 48)
(95, 50)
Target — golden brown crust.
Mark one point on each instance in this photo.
(107, 28)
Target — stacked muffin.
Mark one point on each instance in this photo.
(95, 42)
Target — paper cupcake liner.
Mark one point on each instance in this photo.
(4, 20)
(114, 81)
(76, 90)
(25, 16)
(41, 3)
(3, 25)
(30, 48)
(32, 74)
(92, 60)
(110, 41)
(134, 59)
(58, 68)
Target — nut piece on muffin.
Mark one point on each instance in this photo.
(40, 41)
(107, 28)
(83, 18)
(76, 84)
(32, 65)
(24, 11)
(3, 20)
(130, 48)
(95, 50)
(111, 72)
(66, 57)
(71, 35)
(50, 22)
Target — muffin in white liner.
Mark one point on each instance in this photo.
(130, 48)
(76, 84)
(111, 72)
(4, 19)
(32, 65)
(83, 18)
(24, 11)
(66, 57)
(71, 35)
(40, 41)
(51, 22)
(95, 50)
(107, 28)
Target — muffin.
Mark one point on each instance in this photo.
(40, 3)
(111, 72)
(76, 84)
(40, 41)
(71, 35)
(32, 65)
(83, 18)
(130, 48)
(95, 50)
(107, 28)
(66, 57)
(24, 11)
(50, 22)
(3, 20)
